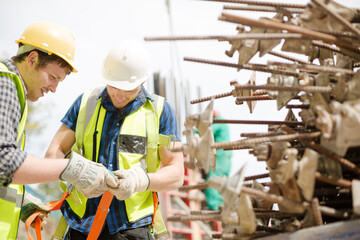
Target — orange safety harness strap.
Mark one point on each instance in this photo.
(53, 206)
(156, 206)
(100, 216)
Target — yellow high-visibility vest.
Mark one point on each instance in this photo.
(11, 197)
(140, 129)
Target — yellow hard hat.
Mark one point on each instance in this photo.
(52, 38)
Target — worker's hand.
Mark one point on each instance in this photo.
(88, 177)
(132, 180)
(30, 205)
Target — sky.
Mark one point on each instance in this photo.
(97, 25)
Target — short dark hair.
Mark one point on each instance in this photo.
(44, 59)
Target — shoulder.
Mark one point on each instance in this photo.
(7, 88)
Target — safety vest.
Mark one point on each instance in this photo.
(11, 197)
(138, 144)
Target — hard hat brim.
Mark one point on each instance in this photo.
(124, 85)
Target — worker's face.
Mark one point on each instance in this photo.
(121, 98)
(39, 81)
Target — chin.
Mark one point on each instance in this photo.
(32, 98)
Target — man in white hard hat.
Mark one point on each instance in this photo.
(128, 130)
(44, 58)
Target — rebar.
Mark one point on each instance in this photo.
(273, 198)
(314, 89)
(273, 24)
(339, 182)
(338, 17)
(302, 106)
(248, 66)
(264, 9)
(240, 100)
(258, 122)
(257, 134)
(204, 212)
(312, 67)
(238, 148)
(311, 144)
(316, 212)
(260, 3)
(233, 93)
(255, 177)
(253, 141)
(327, 46)
(204, 99)
(241, 236)
(291, 58)
(204, 185)
(207, 217)
(276, 214)
(239, 36)
(327, 191)
(199, 186)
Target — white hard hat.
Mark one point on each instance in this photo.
(126, 65)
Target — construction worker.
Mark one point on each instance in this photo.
(44, 58)
(128, 130)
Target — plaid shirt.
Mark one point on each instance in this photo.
(11, 157)
(116, 219)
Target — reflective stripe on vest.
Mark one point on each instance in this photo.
(11, 197)
(140, 127)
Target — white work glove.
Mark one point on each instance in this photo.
(30, 205)
(88, 177)
(132, 180)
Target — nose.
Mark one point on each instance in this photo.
(53, 86)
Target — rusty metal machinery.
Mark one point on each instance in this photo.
(313, 164)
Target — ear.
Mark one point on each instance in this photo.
(32, 58)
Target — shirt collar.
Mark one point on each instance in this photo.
(12, 68)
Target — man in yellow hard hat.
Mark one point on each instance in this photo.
(124, 127)
(45, 57)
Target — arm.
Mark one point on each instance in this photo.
(62, 142)
(171, 175)
(38, 170)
